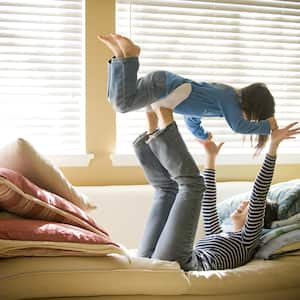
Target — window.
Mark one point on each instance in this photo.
(233, 42)
(42, 95)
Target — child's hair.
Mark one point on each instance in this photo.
(258, 104)
(271, 213)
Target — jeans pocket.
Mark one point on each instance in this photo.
(156, 83)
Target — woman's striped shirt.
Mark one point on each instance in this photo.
(220, 250)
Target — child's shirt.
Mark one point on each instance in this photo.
(212, 100)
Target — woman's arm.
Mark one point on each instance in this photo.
(209, 207)
(255, 218)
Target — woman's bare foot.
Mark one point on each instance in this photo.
(127, 46)
(111, 43)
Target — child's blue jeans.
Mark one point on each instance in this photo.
(127, 93)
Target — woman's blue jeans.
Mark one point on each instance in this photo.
(172, 223)
(128, 93)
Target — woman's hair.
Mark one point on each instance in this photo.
(258, 104)
(271, 213)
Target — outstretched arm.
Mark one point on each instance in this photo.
(195, 127)
(238, 123)
(209, 206)
(254, 222)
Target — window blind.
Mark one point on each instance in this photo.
(42, 74)
(232, 42)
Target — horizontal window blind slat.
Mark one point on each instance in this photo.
(44, 3)
(32, 66)
(193, 7)
(231, 64)
(20, 36)
(40, 43)
(19, 19)
(40, 11)
(186, 19)
(13, 26)
(288, 4)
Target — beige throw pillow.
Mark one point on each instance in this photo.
(22, 157)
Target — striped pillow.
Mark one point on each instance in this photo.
(20, 196)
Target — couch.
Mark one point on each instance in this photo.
(122, 211)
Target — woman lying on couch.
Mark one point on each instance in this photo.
(180, 191)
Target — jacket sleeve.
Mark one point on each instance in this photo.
(195, 127)
(234, 117)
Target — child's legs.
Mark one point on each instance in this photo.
(126, 92)
(177, 238)
(165, 193)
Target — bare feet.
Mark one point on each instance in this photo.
(120, 45)
(110, 41)
(127, 46)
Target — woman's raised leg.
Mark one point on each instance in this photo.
(177, 238)
(165, 190)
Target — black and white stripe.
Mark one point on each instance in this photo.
(227, 250)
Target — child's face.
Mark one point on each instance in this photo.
(238, 217)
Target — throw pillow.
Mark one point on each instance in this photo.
(286, 194)
(25, 237)
(23, 158)
(20, 196)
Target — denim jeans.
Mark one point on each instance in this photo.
(171, 227)
(127, 93)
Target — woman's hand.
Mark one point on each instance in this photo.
(210, 147)
(211, 150)
(285, 133)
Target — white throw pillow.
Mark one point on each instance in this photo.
(22, 157)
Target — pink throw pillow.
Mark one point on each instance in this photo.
(38, 230)
(20, 196)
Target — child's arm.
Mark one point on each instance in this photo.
(237, 122)
(273, 123)
(195, 127)
(209, 207)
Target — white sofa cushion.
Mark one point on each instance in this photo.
(41, 277)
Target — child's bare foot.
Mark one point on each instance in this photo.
(127, 46)
(111, 43)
